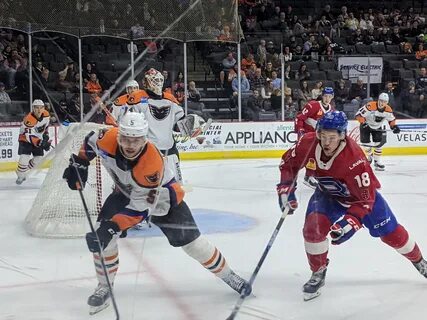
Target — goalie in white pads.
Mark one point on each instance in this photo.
(164, 116)
(145, 189)
(33, 139)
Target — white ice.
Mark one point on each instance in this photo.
(44, 279)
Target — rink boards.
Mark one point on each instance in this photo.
(243, 140)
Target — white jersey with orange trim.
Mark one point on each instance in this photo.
(138, 179)
(33, 128)
(375, 119)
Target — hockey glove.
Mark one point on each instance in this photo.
(77, 167)
(287, 197)
(45, 143)
(395, 129)
(344, 229)
(105, 233)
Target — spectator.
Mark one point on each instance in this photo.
(4, 96)
(225, 34)
(351, 22)
(389, 89)
(227, 64)
(62, 84)
(407, 48)
(268, 71)
(69, 71)
(328, 54)
(275, 81)
(14, 65)
(194, 104)
(316, 92)
(262, 52)
(178, 87)
(341, 95)
(302, 73)
(258, 81)
(287, 72)
(90, 68)
(291, 108)
(396, 37)
(250, 73)
(167, 84)
(421, 81)
(358, 92)
(253, 107)
(287, 54)
(303, 93)
(247, 62)
(412, 100)
(244, 85)
(95, 104)
(421, 53)
(266, 92)
(384, 37)
(93, 86)
(276, 100)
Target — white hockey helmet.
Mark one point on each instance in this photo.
(154, 81)
(132, 84)
(383, 97)
(133, 124)
(38, 102)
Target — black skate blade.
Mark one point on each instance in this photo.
(310, 296)
(94, 310)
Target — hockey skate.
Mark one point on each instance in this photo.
(378, 166)
(99, 300)
(421, 266)
(238, 284)
(19, 180)
(310, 182)
(311, 288)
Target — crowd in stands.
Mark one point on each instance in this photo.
(307, 39)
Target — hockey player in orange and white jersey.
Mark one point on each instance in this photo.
(120, 104)
(372, 118)
(145, 189)
(33, 139)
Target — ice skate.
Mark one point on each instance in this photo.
(379, 166)
(311, 288)
(310, 182)
(421, 266)
(99, 300)
(19, 180)
(238, 284)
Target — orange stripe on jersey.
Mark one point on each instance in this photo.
(125, 222)
(122, 100)
(107, 141)
(136, 96)
(169, 96)
(148, 171)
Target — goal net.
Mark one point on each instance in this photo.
(57, 211)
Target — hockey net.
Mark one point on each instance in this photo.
(57, 211)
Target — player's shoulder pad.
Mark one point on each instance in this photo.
(169, 96)
(149, 169)
(45, 114)
(372, 105)
(29, 120)
(121, 100)
(137, 96)
(388, 109)
(107, 140)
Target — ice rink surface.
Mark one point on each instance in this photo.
(46, 279)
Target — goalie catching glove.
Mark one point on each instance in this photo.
(193, 125)
(77, 167)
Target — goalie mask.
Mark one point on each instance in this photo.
(132, 135)
(154, 81)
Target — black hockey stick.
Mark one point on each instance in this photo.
(243, 295)
(79, 185)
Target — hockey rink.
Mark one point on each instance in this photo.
(235, 203)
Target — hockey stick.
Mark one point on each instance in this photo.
(243, 295)
(92, 229)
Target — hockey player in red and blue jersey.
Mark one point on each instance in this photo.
(345, 200)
